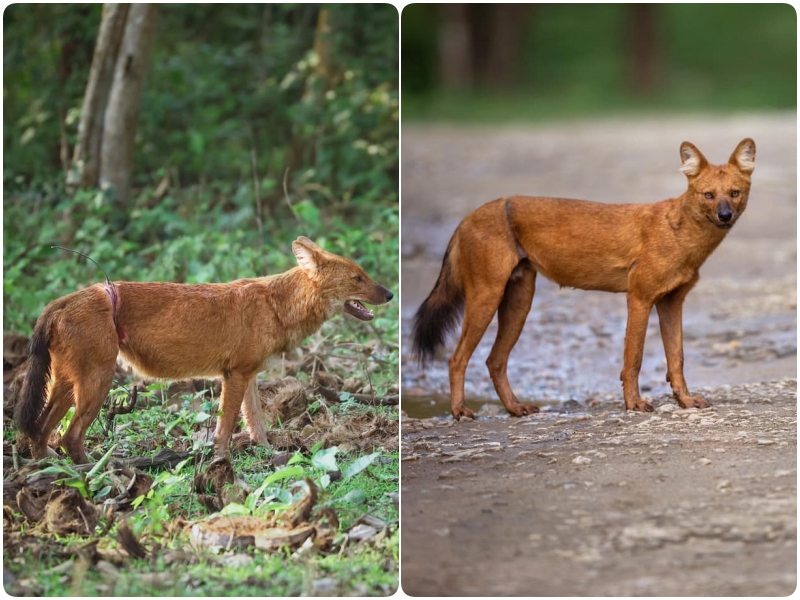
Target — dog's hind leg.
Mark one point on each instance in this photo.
(511, 315)
(481, 302)
(59, 401)
(91, 390)
(87, 352)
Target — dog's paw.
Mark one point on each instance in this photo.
(692, 402)
(521, 410)
(639, 406)
(461, 411)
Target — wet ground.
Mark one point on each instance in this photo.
(739, 326)
(604, 502)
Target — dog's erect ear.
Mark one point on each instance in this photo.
(692, 159)
(307, 242)
(744, 156)
(307, 254)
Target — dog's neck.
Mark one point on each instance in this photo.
(297, 302)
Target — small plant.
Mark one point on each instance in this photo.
(168, 489)
(93, 485)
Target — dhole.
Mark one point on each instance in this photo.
(177, 331)
(652, 252)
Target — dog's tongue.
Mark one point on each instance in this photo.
(358, 310)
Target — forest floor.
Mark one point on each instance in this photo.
(314, 512)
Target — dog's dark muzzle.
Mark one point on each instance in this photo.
(725, 213)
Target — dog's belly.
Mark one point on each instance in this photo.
(165, 367)
(584, 275)
(189, 358)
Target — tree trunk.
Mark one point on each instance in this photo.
(506, 30)
(455, 52)
(124, 102)
(322, 47)
(86, 157)
(643, 56)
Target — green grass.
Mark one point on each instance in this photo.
(367, 572)
(488, 109)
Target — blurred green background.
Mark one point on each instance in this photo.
(502, 62)
(236, 95)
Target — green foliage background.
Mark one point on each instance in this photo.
(232, 99)
(571, 62)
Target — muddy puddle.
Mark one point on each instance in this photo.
(438, 406)
(425, 407)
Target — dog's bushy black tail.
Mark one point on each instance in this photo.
(32, 396)
(441, 311)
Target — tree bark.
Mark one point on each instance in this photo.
(86, 156)
(124, 102)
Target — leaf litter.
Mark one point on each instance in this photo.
(44, 501)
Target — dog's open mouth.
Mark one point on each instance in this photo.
(358, 310)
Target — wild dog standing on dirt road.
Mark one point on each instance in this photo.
(177, 331)
(650, 251)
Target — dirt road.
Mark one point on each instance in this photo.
(686, 503)
(680, 503)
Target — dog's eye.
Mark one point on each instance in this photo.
(734, 193)
(709, 195)
(359, 279)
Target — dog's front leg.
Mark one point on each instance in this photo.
(253, 415)
(234, 385)
(670, 317)
(638, 314)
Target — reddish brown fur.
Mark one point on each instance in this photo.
(652, 252)
(177, 331)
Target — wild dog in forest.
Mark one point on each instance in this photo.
(652, 252)
(178, 331)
